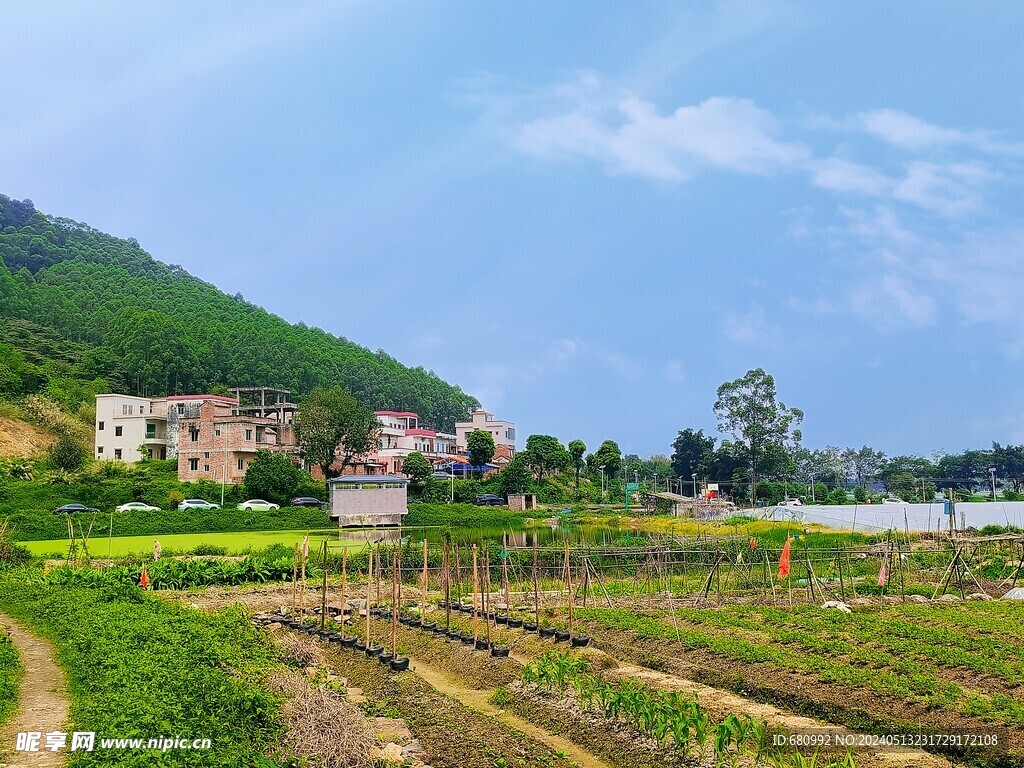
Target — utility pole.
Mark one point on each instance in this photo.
(992, 472)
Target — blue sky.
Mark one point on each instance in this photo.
(587, 214)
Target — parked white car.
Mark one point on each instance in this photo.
(258, 505)
(137, 506)
(197, 504)
(893, 501)
(791, 503)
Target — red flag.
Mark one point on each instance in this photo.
(784, 561)
(882, 575)
(753, 544)
(144, 578)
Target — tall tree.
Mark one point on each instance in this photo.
(334, 429)
(576, 450)
(416, 466)
(544, 453)
(480, 447)
(608, 457)
(864, 463)
(690, 450)
(748, 408)
(515, 477)
(272, 476)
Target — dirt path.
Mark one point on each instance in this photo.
(43, 702)
(478, 699)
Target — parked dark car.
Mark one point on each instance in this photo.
(68, 509)
(306, 501)
(488, 500)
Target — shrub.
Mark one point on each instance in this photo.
(67, 454)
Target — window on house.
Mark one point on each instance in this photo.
(216, 431)
(124, 409)
(248, 434)
(131, 410)
(100, 426)
(117, 453)
(193, 464)
(99, 449)
(206, 454)
(181, 408)
(118, 431)
(150, 431)
(241, 464)
(149, 452)
(194, 434)
(206, 467)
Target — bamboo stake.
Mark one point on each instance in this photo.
(568, 584)
(487, 596)
(504, 575)
(396, 601)
(323, 597)
(302, 591)
(295, 578)
(476, 590)
(344, 586)
(369, 596)
(446, 567)
(536, 591)
(423, 601)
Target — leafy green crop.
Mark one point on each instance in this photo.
(141, 667)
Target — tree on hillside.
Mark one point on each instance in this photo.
(691, 450)
(544, 453)
(272, 476)
(1009, 463)
(609, 457)
(417, 468)
(334, 429)
(576, 450)
(480, 447)
(748, 409)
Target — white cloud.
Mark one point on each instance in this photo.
(749, 327)
(838, 175)
(675, 372)
(891, 301)
(629, 136)
(906, 131)
(953, 189)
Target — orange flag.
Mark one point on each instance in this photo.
(784, 561)
(883, 576)
(144, 578)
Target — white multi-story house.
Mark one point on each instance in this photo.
(127, 425)
(402, 434)
(503, 432)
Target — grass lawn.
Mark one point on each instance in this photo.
(235, 543)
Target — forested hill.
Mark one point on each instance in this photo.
(82, 311)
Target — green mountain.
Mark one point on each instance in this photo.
(84, 312)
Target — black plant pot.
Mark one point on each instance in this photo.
(373, 650)
(482, 645)
(546, 632)
(294, 624)
(347, 642)
(326, 633)
(515, 623)
(399, 665)
(453, 634)
(499, 652)
(358, 646)
(501, 619)
(385, 658)
(580, 641)
(529, 627)
(334, 637)
(439, 630)
(561, 635)
(428, 626)
(467, 639)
